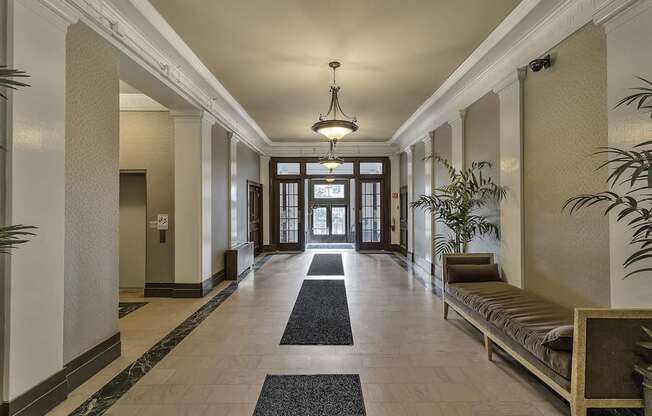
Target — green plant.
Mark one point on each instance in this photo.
(629, 181)
(13, 235)
(645, 371)
(458, 206)
(6, 81)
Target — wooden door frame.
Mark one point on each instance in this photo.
(275, 209)
(254, 184)
(330, 202)
(385, 231)
(302, 176)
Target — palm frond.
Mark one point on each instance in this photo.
(13, 235)
(7, 81)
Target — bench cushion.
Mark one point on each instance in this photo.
(524, 317)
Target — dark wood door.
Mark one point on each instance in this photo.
(255, 224)
(370, 233)
(404, 219)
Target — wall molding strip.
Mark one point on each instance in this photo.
(530, 30)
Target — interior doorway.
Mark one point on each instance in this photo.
(255, 215)
(328, 212)
(133, 230)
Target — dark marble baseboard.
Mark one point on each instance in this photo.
(48, 394)
(183, 290)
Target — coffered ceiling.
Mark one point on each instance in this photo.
(272, 56)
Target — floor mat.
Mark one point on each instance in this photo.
(314, 395)
(326, 265)
(320, 315)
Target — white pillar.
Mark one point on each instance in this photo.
(409, 152)
(192, 196)
(33, 297)
(233, 189)
(395, 202)
(628, 25)
(264, 181)
(457, 143)
(510, 93)
(428, 179)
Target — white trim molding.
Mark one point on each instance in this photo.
(343, 148)
(534, 27)
(136, 29)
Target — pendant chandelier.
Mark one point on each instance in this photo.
(330, 161)
(335, 128)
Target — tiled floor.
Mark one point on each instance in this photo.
(410, 361)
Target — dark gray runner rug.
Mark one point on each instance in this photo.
(315, 395)
(320, 315)
(326, 265)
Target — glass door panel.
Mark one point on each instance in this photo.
(320, 221)
(289, 210)
(338, 221)
(370, 221)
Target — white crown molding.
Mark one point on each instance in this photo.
(136, 29)
(613, 13)
(533, 28)
(139, 102)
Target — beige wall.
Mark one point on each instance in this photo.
(146, 143)
(92, 192)
(220, 196)
(566, 258)
(482, 142)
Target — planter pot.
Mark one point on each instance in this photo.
(647, 395)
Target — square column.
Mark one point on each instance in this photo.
(428, 180)
(457, 151)
(192, 196)
(409, 152)
(395, 202)
(264, 181)
(233, 189)
(510, 93)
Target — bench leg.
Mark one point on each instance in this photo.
(578, 408)
(489, 347)
(445, 310)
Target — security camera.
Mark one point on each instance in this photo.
(539, 64)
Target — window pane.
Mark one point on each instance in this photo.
(288, 168)
(338, 220)
(371, 168)
(314, 168)
(288, 213)
(320, 221)
(326, 191)
(371, 221)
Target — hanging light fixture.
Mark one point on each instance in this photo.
(330, 179)
(335, 128)
(330, 161)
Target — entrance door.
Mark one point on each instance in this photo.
(370, 233)
(404, 219)
(329, 208)
(133, 230)
(289, 214)
(255, 222)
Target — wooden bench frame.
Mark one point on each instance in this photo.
(576, 397)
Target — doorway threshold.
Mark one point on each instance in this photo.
(322, 246)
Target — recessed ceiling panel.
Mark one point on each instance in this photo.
(272, 56)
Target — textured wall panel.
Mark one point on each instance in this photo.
(92, 191)
(566, 258)
(482, 142)
(248, 169)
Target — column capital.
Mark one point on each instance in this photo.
(264, 158)
(459, 118)
(233, 138)
(515, 77)
(427, 139)
(395, 157)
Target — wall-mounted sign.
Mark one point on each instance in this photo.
(162, 222)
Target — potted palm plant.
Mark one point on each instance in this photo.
(459, 206)
(12, 235)
(629, 198)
